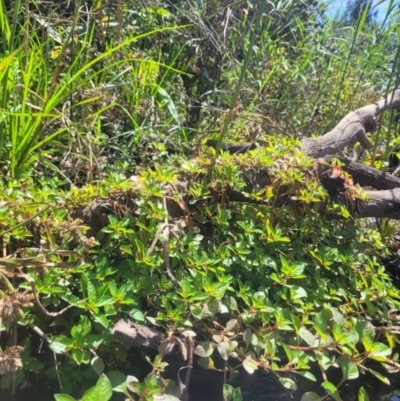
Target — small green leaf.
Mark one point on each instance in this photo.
(137, 315)
(362, 394)
(213, 306)
(227, 392)
(33, 365)
(320, 321)
(332, 390)
(247, 336)
(118, 381)
(288, 383)
(379, 352)
(160, 11)
(308, 375)
(167, 101)
(230, 303)
(91, 395)
(204, 349)
(307, 336)
(224, 350)
(206, 363)
(63, 397)
(83, 328)
(337, 316)
(91, 291)
(250, 365)
(382, 378)
(310, 396)
(297, 292)
(132, 384)
(324, 361)
(349, 368)
(80, 356)
(274, 277)
(102, 319)
(248, 318)
(296, 322)
(237, 394)
(60, 344)
(230, 393)
(97, 365)
(104, 387)
(6, 381)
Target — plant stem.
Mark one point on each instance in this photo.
(239, 84)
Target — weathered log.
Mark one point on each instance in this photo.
(137, 335)
(367, 176)
(351, 129)
(381, 204)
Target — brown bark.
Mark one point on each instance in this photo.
(367, 176)
(351, 129)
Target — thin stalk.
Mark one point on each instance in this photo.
(25, 37)
(239, 84)
(360, 25)
(11, 44)
(394, 74)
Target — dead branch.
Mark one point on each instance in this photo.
(351, 129)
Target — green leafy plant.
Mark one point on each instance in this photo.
(102, 391)
(119, 101)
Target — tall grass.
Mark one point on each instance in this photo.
(305, 86)
(42, 83)
(59, 82)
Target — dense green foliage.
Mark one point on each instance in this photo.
(115, 103)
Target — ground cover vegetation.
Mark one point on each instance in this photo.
(159, 186)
